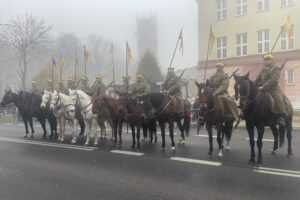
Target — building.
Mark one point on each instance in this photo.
(245, 30)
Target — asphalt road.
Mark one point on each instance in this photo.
(41, 169)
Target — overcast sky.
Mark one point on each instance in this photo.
(116, 20)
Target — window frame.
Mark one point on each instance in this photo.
(222, 49)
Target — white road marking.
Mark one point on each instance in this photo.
(48, 144)
(266, 140)
(127, 152)
(166, 133)
(189, 160)
(279, 170)
(214, 136)
(277, 173)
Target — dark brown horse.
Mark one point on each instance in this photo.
(256, 110)
(163, 110)
(115, 110)
(212, 116)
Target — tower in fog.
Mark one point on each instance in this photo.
(146, 34)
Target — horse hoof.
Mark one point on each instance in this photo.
(259, 162)
(73, 141)
(273, 152)
(181, 141)
(172, 148)
(220, 154)
(227, 148)
(86, 144)
(96, 144)
(290, 155)
(25, 136)
(251, 162)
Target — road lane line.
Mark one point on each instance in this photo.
(189, 160)
(277, 173)
(278, 170)
(266, 140)
(127, 152)
(214, 136)
(48, 144)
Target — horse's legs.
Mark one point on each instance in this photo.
(133, 135)
(275, 134)
(260, 135)
(181, 129)
(289, 136)
(171, 129)
(162, 127)
(220, 139)
(96, 135)
(138, 134)
(250, 130)
(82, 127)
(31, 125)
(42, 121)
(74, 132)
(88, 135)
(60, 128)
(25, 124)
(120, 132)
(154, 129)
(210, 138)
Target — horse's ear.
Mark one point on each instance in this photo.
(207, 82)
(198, 85)
(247, 75)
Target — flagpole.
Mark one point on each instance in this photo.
(76, 59)
(206, 59)
(52, 73)
(175, 49)
(127, 84)
(61, 68)
(84, 62)
(277, 39)
(113, 64)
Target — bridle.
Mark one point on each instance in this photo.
(78, 104)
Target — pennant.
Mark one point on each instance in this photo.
(181, 42)
(129, 54)
(86, 54)
(288, 28)
(211, 41)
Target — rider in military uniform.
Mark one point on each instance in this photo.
(98, 86)
(126, 86)
(35, 90)
(267, 81)
(141, 87)
(219, 82)
(61, 87)
(84, 85)
(49, 85)
(71, 84)
(172, 87)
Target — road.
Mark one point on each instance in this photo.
(41, 169)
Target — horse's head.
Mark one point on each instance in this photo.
(73, 96)
(45, 99)
(7, 98)
(204, 92)
(241, 88)
(54, 99)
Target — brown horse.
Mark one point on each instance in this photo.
(213, 117)
(115, 110)
(164, 113)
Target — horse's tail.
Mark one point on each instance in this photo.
(281, 135)
(187, 122)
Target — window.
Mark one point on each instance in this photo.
(286, 2)
(262, 5)
(290, 76)
(263, 41)
(221, 9)
(221, 47)
(285, 44)
(241, 7)
(241, 44)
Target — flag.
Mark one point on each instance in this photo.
(86, 54)
(288, 28)
(181, 42)
(129, 54)
(62, 62)
(211, 41)
(55, 70)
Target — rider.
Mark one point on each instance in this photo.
(267, 81)
(49, 85)
(140, 87)
(84, 85)
(126, 86)
(219, 82)
(98, 86)
(172, 87)
(35, 90)
(61, 87)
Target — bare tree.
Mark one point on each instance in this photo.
(23, 35)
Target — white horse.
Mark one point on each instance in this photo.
(83, 102)
(64, 110)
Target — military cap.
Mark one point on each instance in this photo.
(33, 82)
(61, 81)
(70, 80)
(84, 78)
(220, 64)
(268, 56)
(99, 77)
(126, 77)
(49, 81)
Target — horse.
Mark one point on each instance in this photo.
(62, 111)
(135, 116)
(84, 104)
(256, 111)
(212, 115)
(164, 113)
(115, 110)
(28, 106)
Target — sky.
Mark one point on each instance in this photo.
(115, 20)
